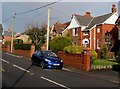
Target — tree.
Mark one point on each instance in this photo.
(58, 43)
(37, 35)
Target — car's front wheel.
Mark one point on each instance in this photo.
(42, 65)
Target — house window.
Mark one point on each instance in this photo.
(98, 43)
(75, 32)
(85, 33)
(98, 30)
(119, 33)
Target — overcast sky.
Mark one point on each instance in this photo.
(61, 11)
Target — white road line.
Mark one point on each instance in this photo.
(114, 81)
(21, 68)
(5, 61)
(55, 82)
(2, 69)
(14, 55)
(66, 69)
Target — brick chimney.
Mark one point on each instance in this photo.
(87, 14)
(113, 8)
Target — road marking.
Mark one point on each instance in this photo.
(55, 82)
(66, 69)
(21, 68)
(5, 61)
(114, 81)
(2, 69)
(14, 55)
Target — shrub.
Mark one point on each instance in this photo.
(37, 47)
(18, 41)
(104, 52)
(73, 49)
(22, 46)
(94, 56)
(110, 55)
(58, 43)
(7, 42)
(103, 62)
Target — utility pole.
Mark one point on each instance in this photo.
(48, 24)
(13, 21)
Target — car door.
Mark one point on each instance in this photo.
(39, 55)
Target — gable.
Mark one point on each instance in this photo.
(74, 23)
(112, 19)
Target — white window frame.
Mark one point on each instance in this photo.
(85, 33)
(98, 30)
(98, 46)
(75, 34)
(119, 33)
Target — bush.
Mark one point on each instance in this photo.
(37, 47)
(7, 42)
(58, 43)
(104, 52)
(103, 62)
(22, 46)
(110, 55)
(94, 56)
(18, 41)
(73, 49)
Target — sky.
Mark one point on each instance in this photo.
(61, 11)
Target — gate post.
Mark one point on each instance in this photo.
(8, 48)
(87, 56)
(32, 50)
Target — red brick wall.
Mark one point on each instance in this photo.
(79, 61)
(73, 60)
(26, 53)
(7, 38)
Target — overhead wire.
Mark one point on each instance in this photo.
(7, 19)
(31, 10)
(38, 8)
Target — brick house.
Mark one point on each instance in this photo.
(7, 36)
(90, 31)
(115, 33)
(59, 29)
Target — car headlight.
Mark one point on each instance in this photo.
(47, 60)
(61, 60)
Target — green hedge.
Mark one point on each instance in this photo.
(58, 43)
(22, 46)
(73, 49)
(18, 41)
(103, 63)
(7, 42)
(94, 56)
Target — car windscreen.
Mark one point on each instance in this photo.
(49, 53)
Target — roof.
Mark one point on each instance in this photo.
(118, 20)
(8, 33)
(1, 29)
(59, 27)
(83, 20)
(98, 20)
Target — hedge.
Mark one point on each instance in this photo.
(94, 56)
(22, 46)
(58, 43)
(73, 49)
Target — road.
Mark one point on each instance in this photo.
(17, 71)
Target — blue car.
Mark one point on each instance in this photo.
(47, 59)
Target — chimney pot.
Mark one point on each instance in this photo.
(113, 8)
(88, 14)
